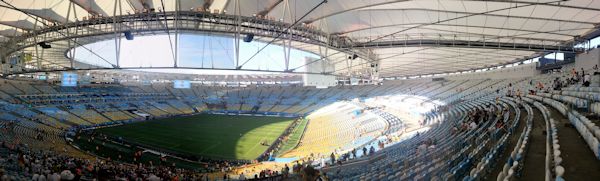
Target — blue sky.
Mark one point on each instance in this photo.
(195, 50)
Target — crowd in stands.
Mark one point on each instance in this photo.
(573, 78)
(562, 80)
(477, 117)
(20, 162)
(338, 158)
(477, 114)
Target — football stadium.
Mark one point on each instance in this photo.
(299, 90)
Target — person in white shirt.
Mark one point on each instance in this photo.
(153, 178)
(586, 80)
(473, 126)
(41, 178)
(66, 175)
(54, 177)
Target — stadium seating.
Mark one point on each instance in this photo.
(62, 115)
(275, 90)
(390, 166)
(339, 126)
(587, 129)
(516, 156)
(89, 115)
(180, 106)
(7, 87)
(341, 119)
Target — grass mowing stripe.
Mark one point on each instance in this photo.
(219, 136)
(294, 137)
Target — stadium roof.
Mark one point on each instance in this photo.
(402, 37)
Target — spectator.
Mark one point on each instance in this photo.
(473, 125)
(586, 80)
(332, 157)
(364, 151)
(557, 84)
(286, 170)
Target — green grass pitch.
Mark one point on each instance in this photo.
(214, 136)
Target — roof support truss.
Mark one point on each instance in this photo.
(467, 44)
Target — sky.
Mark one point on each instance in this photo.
(195, 50)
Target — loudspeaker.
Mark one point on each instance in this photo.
(44, 45)
(249, 38)
(128, 35)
